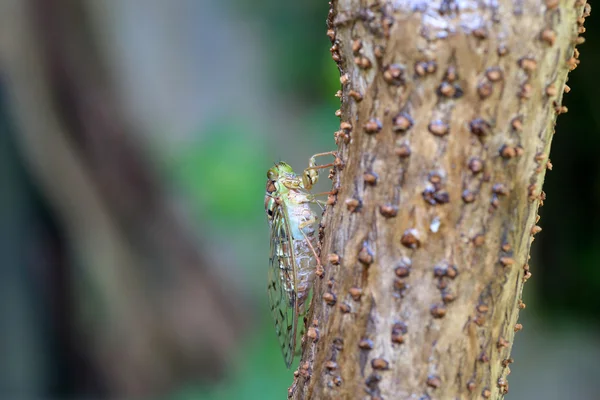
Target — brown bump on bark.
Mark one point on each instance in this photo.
(479, 320)
(446, 89)
(518, 327)
(345, 126)
(373, 126)
(485, 89)
(506, 261)
(352, 204)
(304, 370)
(438, 128)
(526, 91)
(344, 79)
(438, 310)
(483, 308)
(434, 381)
(329, 298)
(402, 269)
(479, 127)
(483, 357)
(421, 68)
(431, 67)
(365, 255)
(451, 271)
(355, 293)
(519, 151)
(388, 210)
(548, 36)
(331, 365)
(312, 333)
(536, 229)
(410, 239)
(397, 337)
(366, 344)
(448, 296)
(355, 95)
(402, 122)
(502, 343)
(502, 50)
(380, 364)
(403, 151)
(521, 305)
(500, 189)
(494, 74)
(331, 34)
(517, 124)
(528, 64)
(394, 75)
(476, 165)
(451, 74)
(334, 259)
(471, 385)
(507, 151)
(356, 45)
(507, 361)
(480, 33)
(502, 383)
(370, 178)
(363, 62)
(345, 308)
(567, 88)
(551, 4)
(319, 271)
(479, 240)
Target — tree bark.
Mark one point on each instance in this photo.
(448, 111)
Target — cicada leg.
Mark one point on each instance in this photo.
(311, 174)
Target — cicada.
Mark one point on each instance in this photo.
(293, 259)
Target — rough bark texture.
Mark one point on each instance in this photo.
(448, 111)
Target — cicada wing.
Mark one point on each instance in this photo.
(281, 285)
(302, 323)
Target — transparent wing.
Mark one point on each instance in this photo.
(281, 285)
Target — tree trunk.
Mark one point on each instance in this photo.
(448, 112)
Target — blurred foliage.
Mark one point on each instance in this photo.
(220, 175)
(300, 64)
(259, 369)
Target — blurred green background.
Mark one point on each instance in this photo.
(213, 93)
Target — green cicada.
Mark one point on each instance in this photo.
(293, 259)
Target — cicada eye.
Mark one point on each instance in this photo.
(271, 175)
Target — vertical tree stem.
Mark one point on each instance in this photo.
(448, 111)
